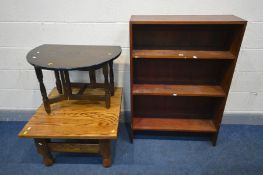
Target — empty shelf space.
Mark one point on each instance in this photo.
(174, 124)
(178, 90)
(182, 54)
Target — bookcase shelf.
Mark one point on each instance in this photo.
(174, 124)
(183, 54)
(177, 90)
(181, 71)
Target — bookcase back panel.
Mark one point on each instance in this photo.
(184, 37)
(171, 71)
(175, 107)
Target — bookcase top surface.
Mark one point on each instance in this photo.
(186, 19)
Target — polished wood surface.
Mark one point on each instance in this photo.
(182, 54)
(177, 90)
(186, 19)
(71, 57)
(76, 119)
(172, 124)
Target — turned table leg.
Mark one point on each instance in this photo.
(67, 91)
(105, 151)
(92, 77)
(43, 90)
(63, 81)
(42, 148)
(58, 82)
(111, 78)
(68, 85)
(106, 85)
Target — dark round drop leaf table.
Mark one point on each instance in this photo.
(71, 57)
(64, 58)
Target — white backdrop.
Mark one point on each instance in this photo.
(25, 24)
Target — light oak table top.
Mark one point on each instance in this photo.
(76, 119)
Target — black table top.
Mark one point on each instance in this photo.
(71, 57)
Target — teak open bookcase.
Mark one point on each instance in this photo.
(181, 71)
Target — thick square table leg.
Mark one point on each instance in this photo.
(106, 85)
(42, 148)
(43, 89)
(105, 151)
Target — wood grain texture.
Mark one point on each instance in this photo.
(177, 90)
(182, 54)
(186, 19)
(173, 124)
(74, 147)
(76, 119)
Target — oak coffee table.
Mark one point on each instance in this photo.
(64, 58)
(76, 126)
